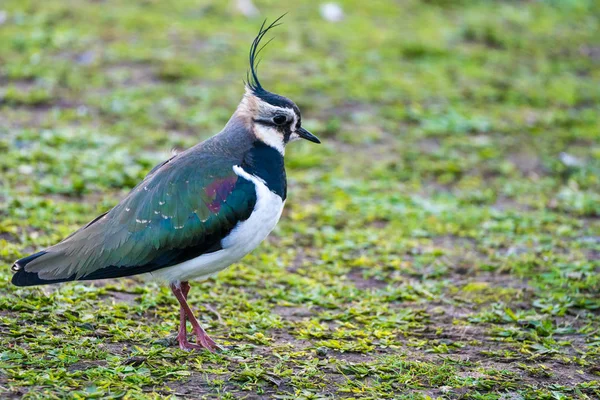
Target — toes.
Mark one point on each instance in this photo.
(189, 346)
(202, 343)
(209, 344)
(220, 348)
(185, 345)
(215, 346)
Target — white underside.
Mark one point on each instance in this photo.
(244, 238)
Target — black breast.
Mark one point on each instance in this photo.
(267, 163)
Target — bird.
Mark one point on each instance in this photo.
(192, 215)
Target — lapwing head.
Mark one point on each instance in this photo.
(274, 119)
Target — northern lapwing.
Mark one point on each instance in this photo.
(192, 215)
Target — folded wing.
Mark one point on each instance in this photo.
(181, 210)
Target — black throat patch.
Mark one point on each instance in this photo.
(267, 163)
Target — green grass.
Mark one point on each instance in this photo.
(442, 242)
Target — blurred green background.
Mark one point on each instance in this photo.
(442, 242)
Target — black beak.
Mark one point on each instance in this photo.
(304, 134)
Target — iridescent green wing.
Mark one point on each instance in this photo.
(181, 210)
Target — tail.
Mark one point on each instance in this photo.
(24, 278)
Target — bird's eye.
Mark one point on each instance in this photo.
(279, 119)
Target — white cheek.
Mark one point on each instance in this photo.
(293, 137)
(270, 136)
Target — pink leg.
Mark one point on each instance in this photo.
(203, 340)
(182, 335)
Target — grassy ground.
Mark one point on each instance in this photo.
(443, 242)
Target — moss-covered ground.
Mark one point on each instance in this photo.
(442, 242)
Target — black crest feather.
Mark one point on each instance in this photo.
(255, 49)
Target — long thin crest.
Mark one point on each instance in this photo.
(255, 49)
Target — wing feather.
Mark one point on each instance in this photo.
(182, 209)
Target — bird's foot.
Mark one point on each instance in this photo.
(187, 346)
(205, 341)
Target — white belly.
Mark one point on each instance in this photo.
(244, 238)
